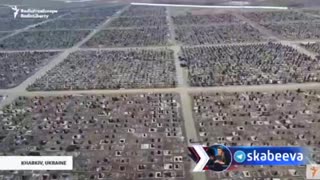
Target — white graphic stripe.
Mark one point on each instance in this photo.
(36, 163)
(204, 158)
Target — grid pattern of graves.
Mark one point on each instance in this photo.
(140, 11)
(313, 47)
(70, 23)
(291, 25)
(136, 26)
(312, 11)
(270, 63)
(6, 12)
(9, 24)
(137, 136)
(284, 118)
(279, 16)
(215, 34)
(155, 36)
(111, 70)
(295, 30)
(2, 34)
(193, 29)
(81, 18)
(33, 40)
(15, 67)
(135, 22)
(97, 11)
(60, 33)
(190, 19)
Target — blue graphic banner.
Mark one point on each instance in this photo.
(270, 155)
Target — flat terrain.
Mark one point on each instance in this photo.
(283, 118)
(125, 89)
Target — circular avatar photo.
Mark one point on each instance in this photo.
(220, 158)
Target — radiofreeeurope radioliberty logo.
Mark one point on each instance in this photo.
(220, 158)
(32, 13)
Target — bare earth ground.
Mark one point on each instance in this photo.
(183, 89)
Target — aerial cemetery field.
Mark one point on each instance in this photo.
(87, 68)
